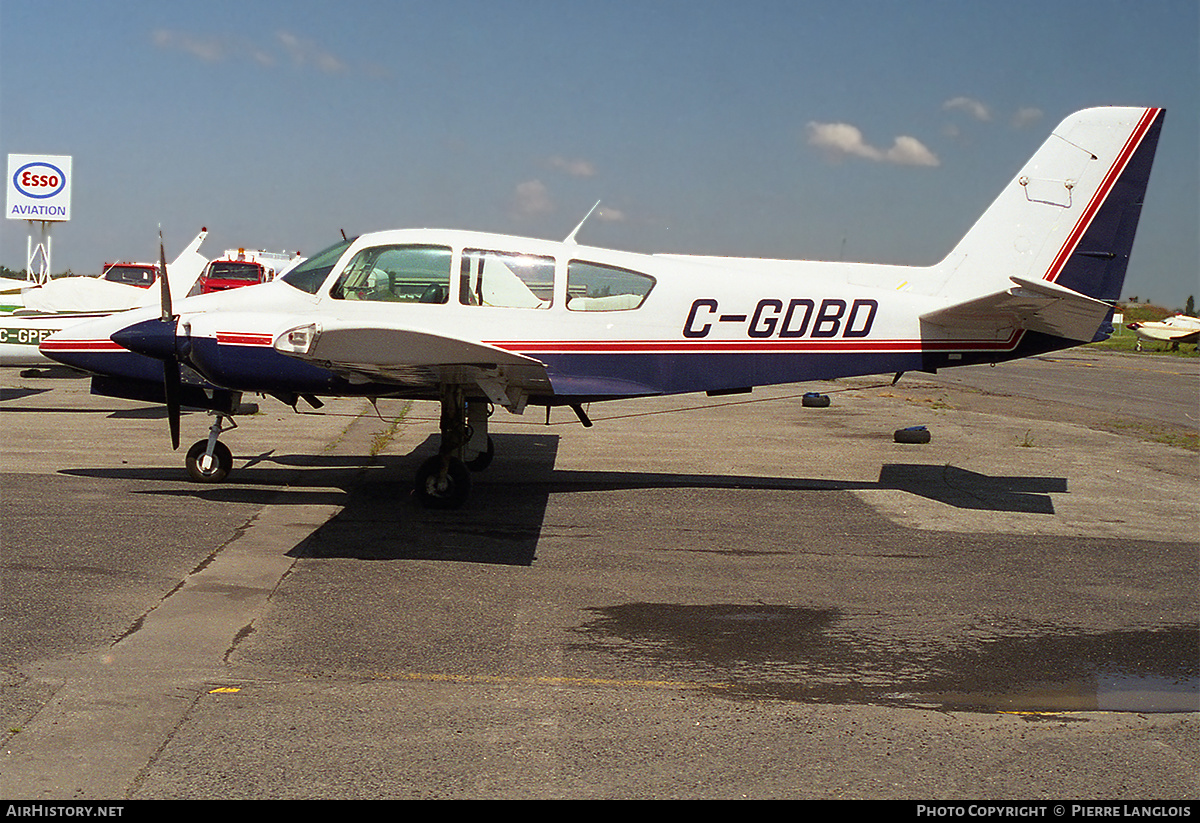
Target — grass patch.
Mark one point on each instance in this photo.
(382, 439)
(1124, 340)
(1154, 434)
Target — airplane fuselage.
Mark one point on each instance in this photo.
(675, 324)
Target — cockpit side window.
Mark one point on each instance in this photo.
(310, 275)
(519, 281)
(596, 287)
(397, 274)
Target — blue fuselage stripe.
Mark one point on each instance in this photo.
(261, 369)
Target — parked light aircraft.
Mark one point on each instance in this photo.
(473, 319)
(1174, 330)
(62, 303)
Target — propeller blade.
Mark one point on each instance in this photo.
(172, 379)
(171, 388)
(164, 285)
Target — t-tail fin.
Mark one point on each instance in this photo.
(1050, 254)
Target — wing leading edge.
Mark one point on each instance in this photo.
(410, 357)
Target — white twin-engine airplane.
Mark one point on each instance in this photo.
(476, 319)
(1175, 330)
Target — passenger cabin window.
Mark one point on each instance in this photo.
(397, 274)
(594, 287)
(517, 281)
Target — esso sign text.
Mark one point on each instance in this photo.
(39, 180)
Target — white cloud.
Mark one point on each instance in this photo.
(572, 167)
(1026, 116)
(607, 214)
(909, 151)
(219, 48)
(306, 52)
(208, 49)
(972, 107)
(532, 198)
(839, 140)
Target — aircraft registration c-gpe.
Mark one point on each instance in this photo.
(474, 319)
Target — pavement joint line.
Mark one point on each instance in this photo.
(111, 715)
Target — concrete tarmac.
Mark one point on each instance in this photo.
(696, 598)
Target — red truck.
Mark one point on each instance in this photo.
(143, 275)
(240, 267)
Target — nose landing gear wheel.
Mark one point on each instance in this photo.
(204, 470)
(438, 489)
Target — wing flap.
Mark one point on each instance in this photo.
(1033, 305)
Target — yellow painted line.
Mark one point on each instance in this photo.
(497, 680)
(550, 681)
(490, 679)
(1053, 713)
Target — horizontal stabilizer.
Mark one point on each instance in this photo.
(1033, 305)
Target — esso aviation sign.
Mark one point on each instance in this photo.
(39, 187)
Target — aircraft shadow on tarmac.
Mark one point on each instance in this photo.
(379, 520)
(8, 394)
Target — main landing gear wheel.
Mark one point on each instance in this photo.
(203, 469)
(443, 482)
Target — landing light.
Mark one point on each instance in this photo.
(299, 340)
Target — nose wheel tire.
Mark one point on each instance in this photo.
(205, 470)
(443, 489)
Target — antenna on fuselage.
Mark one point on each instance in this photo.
(571, 237)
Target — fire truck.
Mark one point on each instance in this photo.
(243, 267)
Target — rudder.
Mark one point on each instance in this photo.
(1096, 256)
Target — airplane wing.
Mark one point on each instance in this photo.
(1034, 305)
(95, 295)
(410, 357)
(85, 294)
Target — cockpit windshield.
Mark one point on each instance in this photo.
(235, 270)
(309, 275)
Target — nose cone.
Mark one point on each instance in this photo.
(152, 338)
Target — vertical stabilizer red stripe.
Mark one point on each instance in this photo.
(1114, 173)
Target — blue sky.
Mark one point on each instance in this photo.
(704, 126)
